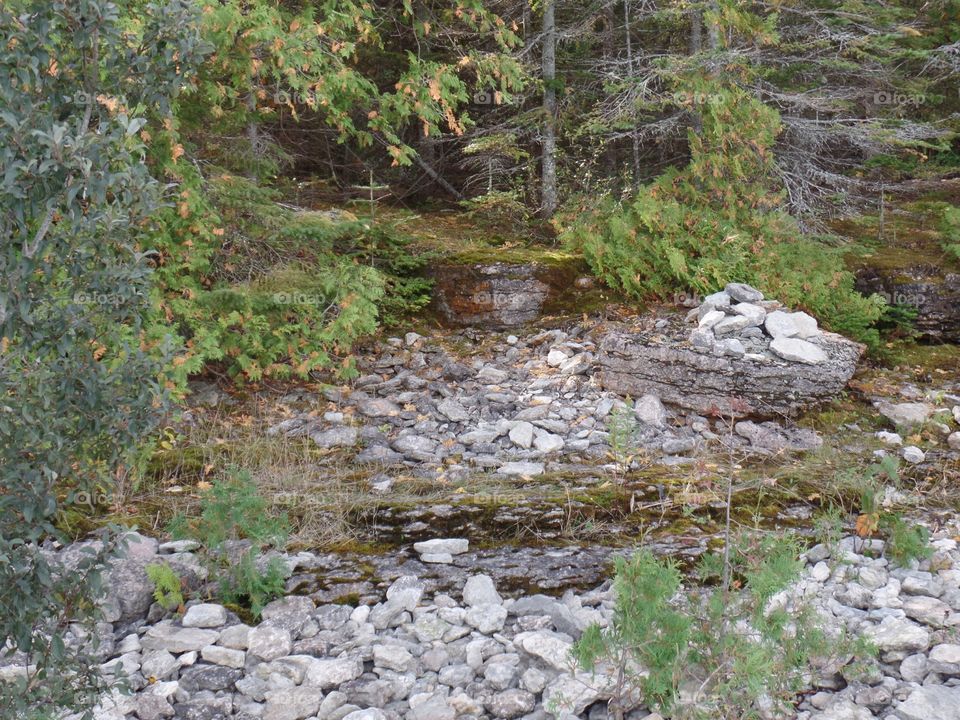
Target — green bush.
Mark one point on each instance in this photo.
(267, 292)
(717, 221)
(77, 381)
(706, 651)
(950, 229)
(232, 510)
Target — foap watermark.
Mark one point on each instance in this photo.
(903, 298)
(683, 97)
(494, 299)
(891, 97)
(687, 299)
(296, 298)
(92, 500)
(487, 97)
(95, 298)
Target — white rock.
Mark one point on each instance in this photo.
(806, 325)
(780, 324)
(953, 440)
(556, 357)
(650, 411)
(717, 300)
(480, 590)
(898, 634)
(521, 435)
(177, 640)
(905, 414)
(796, 350)
(453, 410)
(224, 656)
(889, 438)
(327, 673)
(552, 648)
(742, 292)
(236, 637)
(711, 319)
(945, 659)
(437, 558)
(844, 709)
(487, 619)
(912, 454)
(730, 325)
(204, 615)
(820, 572)
(392, 657)
(754, 313)
(453, 546)
(547, 442)
(295, 703)
(269, 643)
(927, 610)
(522, 469)
(934, 702)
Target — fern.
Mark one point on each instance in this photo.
(167, 586)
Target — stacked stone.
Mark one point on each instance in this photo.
(738, 322)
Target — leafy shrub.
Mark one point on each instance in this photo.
(950, 229)
(244, 583)
(167, 586)
(232, 510)
(709, 651)
(717, 221)
(906, 541)
(382, 247)
(77, 379)
(224, 289)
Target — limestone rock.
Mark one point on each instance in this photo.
(632, 363)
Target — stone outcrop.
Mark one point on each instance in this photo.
(503, 294)
(744, 358)
(926, 288)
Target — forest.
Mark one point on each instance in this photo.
(421, 360)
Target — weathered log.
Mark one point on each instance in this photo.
(665, 364)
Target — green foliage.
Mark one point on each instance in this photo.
(232, 510)
(381, 247)
(718, 219)
(244, 583)
(728, 650)
(950, 229)
(906, 542)
(622, 426)
(645, 629)
(77, 380)
(167, 585)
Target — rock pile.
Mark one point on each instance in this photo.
(747, 356)
(738, 322)
(531, 404)
(482, 655)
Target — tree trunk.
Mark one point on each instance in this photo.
(696, 30)
(611, 158)
(713, 31)
(634, 139)
(696, 46)
(253, 135)
(548, 181)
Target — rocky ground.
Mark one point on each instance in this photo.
(454, 441)
(474, 653)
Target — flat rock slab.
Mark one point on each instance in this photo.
(635, 363)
